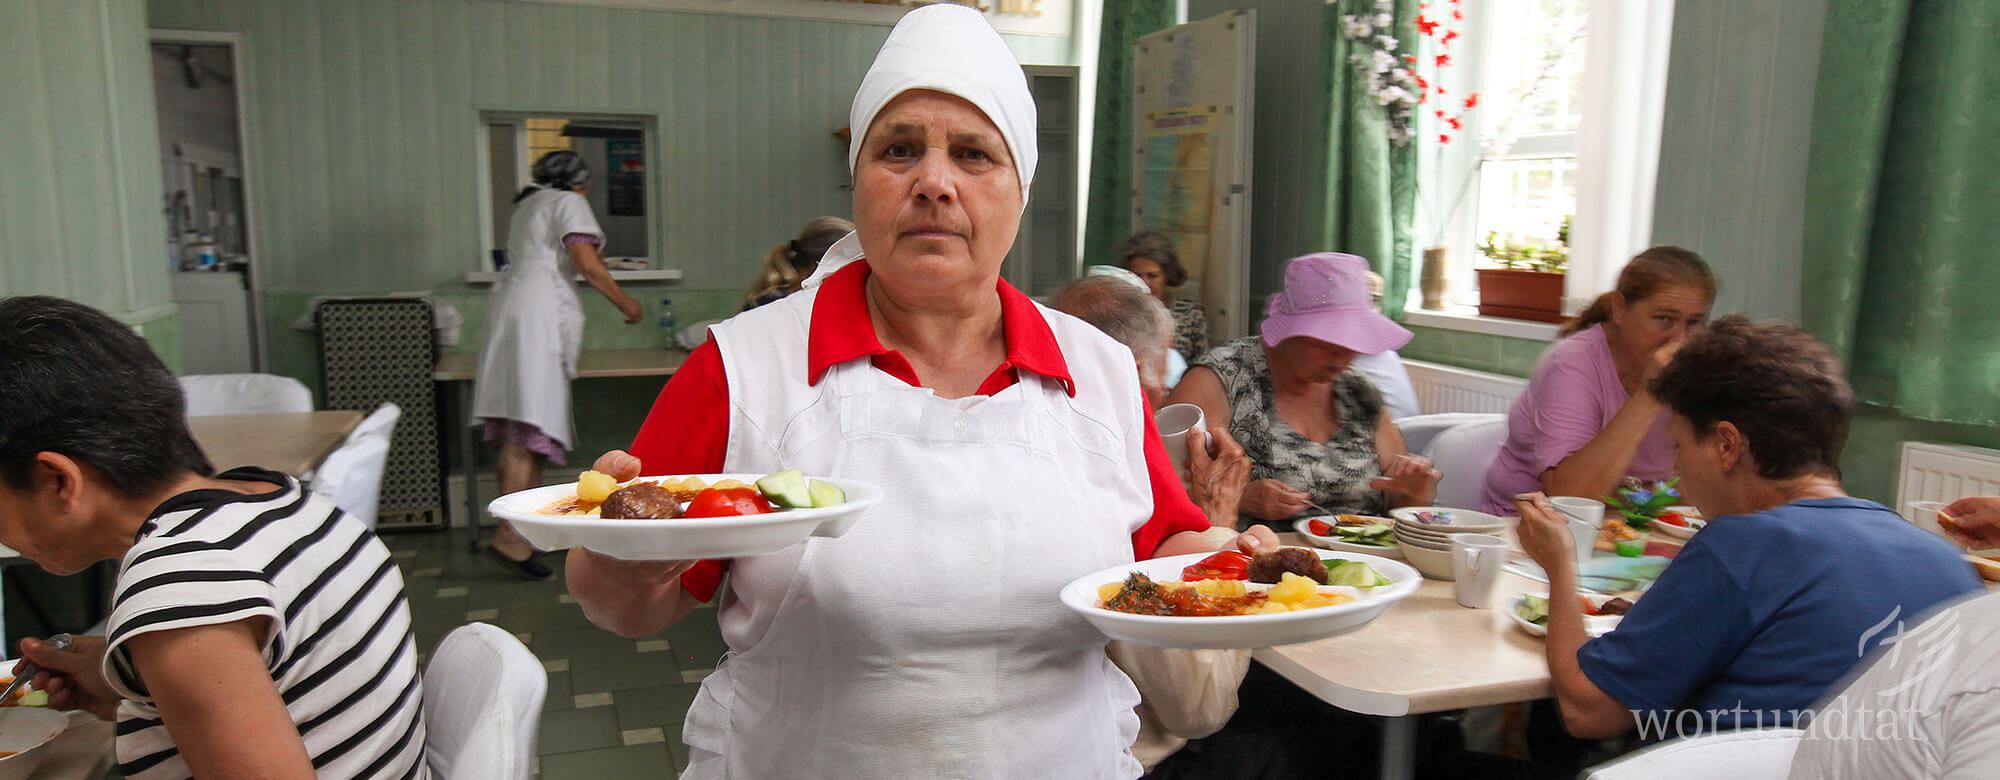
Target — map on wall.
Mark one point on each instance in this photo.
(1178, 185)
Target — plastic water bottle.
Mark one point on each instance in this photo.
(205, 252)
(667, 324)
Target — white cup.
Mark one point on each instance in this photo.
(1475, 562)
(1585, 516)
(1174, 422)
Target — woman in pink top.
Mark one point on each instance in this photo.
(1586, 420)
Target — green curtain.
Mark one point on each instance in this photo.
(1108, 218)
(1371, 184)
(1902, 210)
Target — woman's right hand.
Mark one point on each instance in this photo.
(629, 306)
(1271, 499)
(1975, 522)
(74, 678)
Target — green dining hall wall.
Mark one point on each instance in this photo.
(362, 116)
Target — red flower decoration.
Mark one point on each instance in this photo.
(1421, 81)
(1448, 36)
(1455, 124)
(1443, 60)
(1472, 101)
(1409, 58)
(1444, 138)
(1440, 113)
(1457, 15)
(1426, 26)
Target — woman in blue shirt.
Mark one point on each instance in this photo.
(1790, 585)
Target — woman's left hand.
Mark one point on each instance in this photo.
(1258, 539)
(1413, 477)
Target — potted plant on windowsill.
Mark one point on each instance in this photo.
(1528, 285)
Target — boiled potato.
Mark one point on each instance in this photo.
(594, 486)
(1109, 590)
(1292, 588)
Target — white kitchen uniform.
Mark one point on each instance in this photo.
(928, 641)
(534, 323)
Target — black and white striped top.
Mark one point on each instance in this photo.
(340, 647)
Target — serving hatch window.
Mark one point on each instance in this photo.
(615, 147)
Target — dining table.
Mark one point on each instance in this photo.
(1426, 654)
(460, 368)
(291, 442)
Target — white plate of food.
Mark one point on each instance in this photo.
(1353, 533)
(1323, 611)
(1691, 522)
(556, 517)
(1527, 607)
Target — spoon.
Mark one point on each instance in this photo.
(28, 671)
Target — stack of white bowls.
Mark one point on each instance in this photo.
(1425, 534)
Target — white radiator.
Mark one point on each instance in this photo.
(1442, 388)
(1944, 472)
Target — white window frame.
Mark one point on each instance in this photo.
(1616, 148)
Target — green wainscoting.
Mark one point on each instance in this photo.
(164, 333)
(1477, 351)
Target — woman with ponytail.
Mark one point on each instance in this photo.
(788, 264)
(1587, 420)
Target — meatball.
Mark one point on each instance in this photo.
(1614, 607)
(1269, 566)
(643, 501)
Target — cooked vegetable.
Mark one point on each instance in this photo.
(786, 489)
(1225, 565)
(1291, 588)
(1272, 566)
(727, 502)
(593, 486)
(1319, 527)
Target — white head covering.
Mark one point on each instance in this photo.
(951, 49)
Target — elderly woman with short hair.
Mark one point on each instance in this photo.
(1764, 610)
(1012, 442)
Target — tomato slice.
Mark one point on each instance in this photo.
(727, 502)
(1588, 608)
(1319, 527)
(1225, 565)
(1672, 518)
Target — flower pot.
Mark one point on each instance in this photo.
(1521, 295)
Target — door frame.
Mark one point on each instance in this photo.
(260, 358)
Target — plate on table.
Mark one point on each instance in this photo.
(1594, 625)
(1238, 631)
(679, 538)
(1682, 532)
(1345, 542)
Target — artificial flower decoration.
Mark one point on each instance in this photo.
(1642, 501)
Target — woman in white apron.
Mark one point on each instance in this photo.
(1013, 443)
(534, 329)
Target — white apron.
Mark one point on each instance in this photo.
(534, 322)
(929, 640)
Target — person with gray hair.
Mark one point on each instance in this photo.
(1129, 314)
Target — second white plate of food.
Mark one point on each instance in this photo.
(1342, 542)
(1239, 631)
(1594, 625)
(532, 512)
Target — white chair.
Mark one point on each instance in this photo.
(351, 476)
(210, 394)
(1463, 453)
(1751, 754)
(483, 695)
(1418, 430)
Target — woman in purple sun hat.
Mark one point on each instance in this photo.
(1315, 429)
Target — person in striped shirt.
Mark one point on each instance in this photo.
(256, 630)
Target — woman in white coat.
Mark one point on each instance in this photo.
(534, 329)
(1012, 441)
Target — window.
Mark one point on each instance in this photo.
(1543, 144)
(616, 149)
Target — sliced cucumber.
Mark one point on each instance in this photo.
(827, 494)
(786, 489)
(1353, 574)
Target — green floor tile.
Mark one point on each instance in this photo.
(618, 673)
(662, 705)
(559, 692)
(547, 616)
(637, 761)
(581, 643)
(565, 731)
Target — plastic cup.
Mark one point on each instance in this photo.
(1174, 422)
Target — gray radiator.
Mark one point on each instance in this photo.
(382, 350)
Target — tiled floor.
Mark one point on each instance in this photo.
(615, 705)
